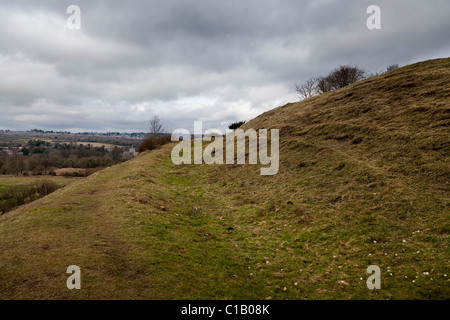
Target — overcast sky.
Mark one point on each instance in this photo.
(185, 60)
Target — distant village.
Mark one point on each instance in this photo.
(37, 132)
(38, 152)
(11, 151)
(18, 151)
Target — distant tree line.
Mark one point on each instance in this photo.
(39, 157)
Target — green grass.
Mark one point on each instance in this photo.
(10, 180)
(147, 229)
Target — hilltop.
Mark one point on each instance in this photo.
(363, 180)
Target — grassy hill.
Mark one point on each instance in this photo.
(363, 180)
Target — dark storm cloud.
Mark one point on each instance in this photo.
(217, 61)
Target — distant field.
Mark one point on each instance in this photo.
(62, 171)
(94, 144)
(7, 181)
(12, 139)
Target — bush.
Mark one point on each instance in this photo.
(345, 76)
(236, 125)
(338, 78)
(392, 67)
(154, 141)
(324, 84)
(46, 187)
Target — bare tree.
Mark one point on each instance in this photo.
(391, 67)
(307, 89)
(324, 84)
(155, 125)
(336, 79)
(374, 74)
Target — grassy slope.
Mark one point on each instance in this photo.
(365, 168)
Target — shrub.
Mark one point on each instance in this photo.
(392, 67)
(324, 84)
(338, 78)
(46, 187)
(345, 76)
(154, 141)
(236, 125)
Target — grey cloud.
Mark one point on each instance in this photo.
(219, 61)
